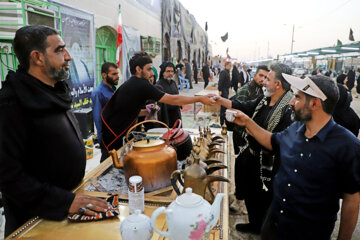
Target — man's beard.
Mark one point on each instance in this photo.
(168, 78)
(302, 115)
(58, 75)
(110, 81)
(143, 76)
(267, 93)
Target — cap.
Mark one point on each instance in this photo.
(135, 180)
(305, 85)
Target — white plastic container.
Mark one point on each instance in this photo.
(136, 194)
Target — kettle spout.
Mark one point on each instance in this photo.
(214, 167)
(215, 209)
(115, 158)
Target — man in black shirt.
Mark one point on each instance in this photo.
(224, 88)
(206, 73)
(235, 78)
(168, 114)
(121, 111)
(188, 72)
(256, 166)
(42, 154)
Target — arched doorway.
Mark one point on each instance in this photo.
(105, 49)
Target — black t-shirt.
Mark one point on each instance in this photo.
(121, 111)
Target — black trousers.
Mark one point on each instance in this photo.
(295, 228)
(249, 187)
(190, 81)
(195, 77)
(206, 80)
(235, 88)
(269, 228)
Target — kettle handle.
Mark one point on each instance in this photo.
(176, 176)
(155, 214)
(154, 121)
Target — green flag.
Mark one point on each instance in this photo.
(339, 43)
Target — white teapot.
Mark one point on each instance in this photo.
(136, 226)
(189, 216)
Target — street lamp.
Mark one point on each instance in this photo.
(292, 37)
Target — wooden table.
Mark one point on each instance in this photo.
(109, 229)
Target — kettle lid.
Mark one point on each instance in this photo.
(189, 198)
(149, 143)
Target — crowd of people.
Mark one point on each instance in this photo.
(298, 152)
(296, 139)
(42, 154)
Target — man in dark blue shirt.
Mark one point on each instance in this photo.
(101, 95)
(319, 165)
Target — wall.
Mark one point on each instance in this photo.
(133, 14)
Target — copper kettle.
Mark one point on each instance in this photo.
(152, 159)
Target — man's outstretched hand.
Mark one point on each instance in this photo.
(208, 99)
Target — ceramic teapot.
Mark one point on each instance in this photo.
(189, 217)
(136, 226)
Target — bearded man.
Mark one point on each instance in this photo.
(122, 110)
(42, 154)
(319, 166)
(255, 166)
(168, 113)
(101, 95)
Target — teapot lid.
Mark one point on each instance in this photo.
(189, 198)
(137, 217)
(148, 143)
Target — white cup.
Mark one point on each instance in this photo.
(229, 115)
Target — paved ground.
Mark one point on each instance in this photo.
(206, 120)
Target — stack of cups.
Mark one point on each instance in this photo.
(136, 194)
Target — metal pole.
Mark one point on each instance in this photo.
(292, 39)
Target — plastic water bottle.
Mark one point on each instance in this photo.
(136, 194)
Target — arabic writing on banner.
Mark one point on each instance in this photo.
(78, 35)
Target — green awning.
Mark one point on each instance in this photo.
(339, 49)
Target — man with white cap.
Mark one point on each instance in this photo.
(319, 165)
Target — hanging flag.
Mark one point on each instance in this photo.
(206, 26)
(119, 38)
(225, 37)
(339, 43)
(227, 51)
(351, 36)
